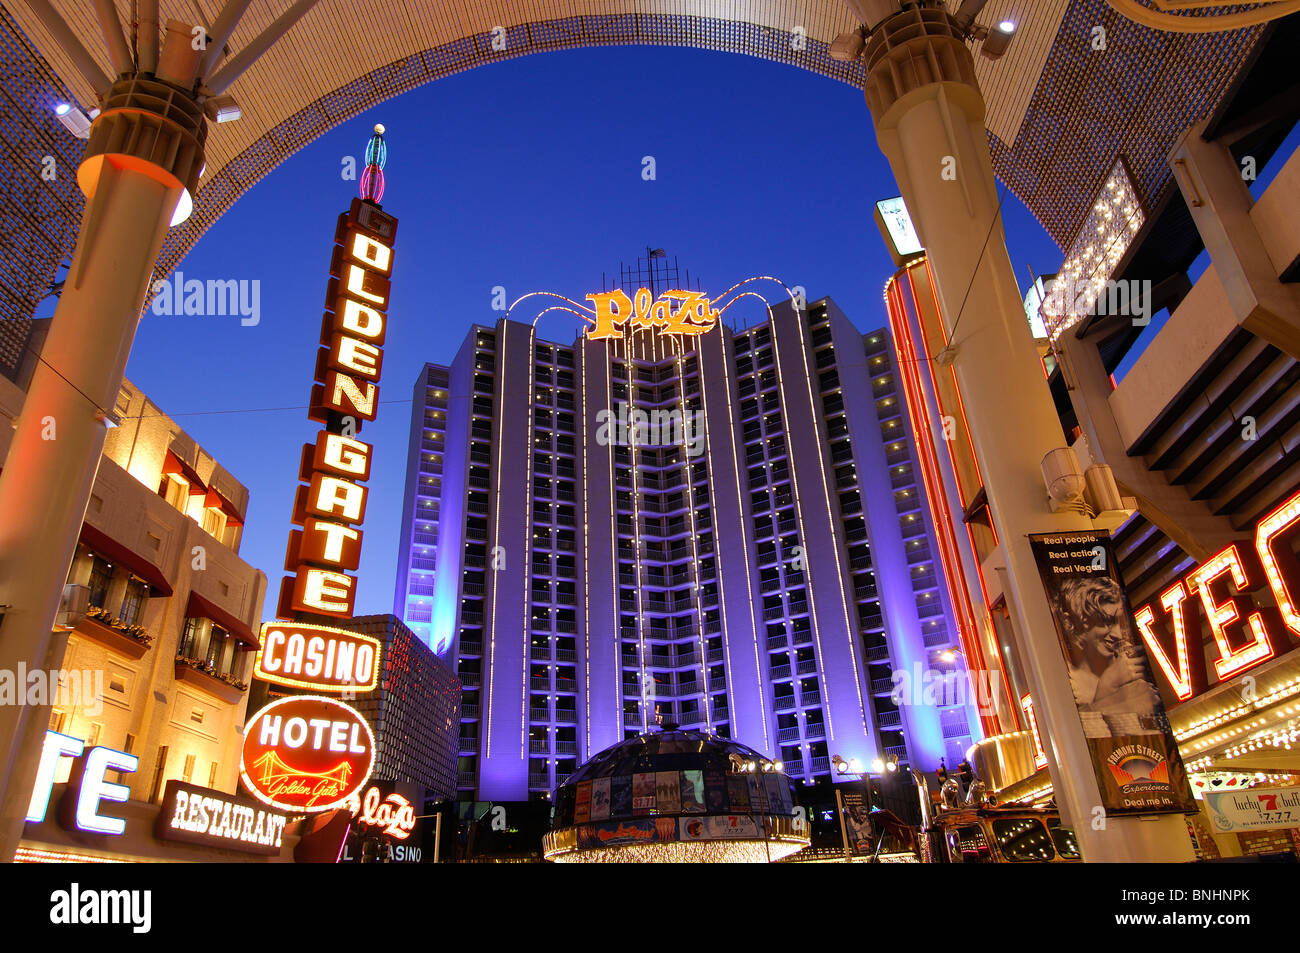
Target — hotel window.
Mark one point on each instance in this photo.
(57, 720)
(159, 767)
(190, 638)
(175, 490)
(133, 601)
(214, 521)
(212, 775)
(216, 647)
(101, 574)
(189, 769)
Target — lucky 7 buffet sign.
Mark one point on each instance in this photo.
(1220, 593)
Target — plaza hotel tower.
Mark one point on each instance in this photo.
(760, 569)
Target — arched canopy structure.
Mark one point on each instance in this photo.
(1059, 108)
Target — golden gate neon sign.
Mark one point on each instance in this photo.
(616, 314)
(1245, 635)
(331, 506)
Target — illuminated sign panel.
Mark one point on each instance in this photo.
(315, 657)
(1245, 635)
(194, 815)
(88, 785)
(306, 753)
(391, 815)
(673, 312)
(895, 224)
(330, 504)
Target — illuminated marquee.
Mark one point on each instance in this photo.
(300, 655)
(616, 314)
(306, 753)
(331, 504)
(1245, 635)
(195, 815)
(393, 815)
(88, 785)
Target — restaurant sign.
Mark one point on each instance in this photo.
(196, 815)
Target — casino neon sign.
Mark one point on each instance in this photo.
(1245, 635)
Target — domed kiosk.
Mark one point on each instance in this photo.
(675, 795)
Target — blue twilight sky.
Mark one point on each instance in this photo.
(525, 174)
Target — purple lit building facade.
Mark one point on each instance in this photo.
(762, 572)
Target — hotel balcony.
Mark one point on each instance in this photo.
(222, 685)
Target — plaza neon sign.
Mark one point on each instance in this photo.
(394, 815)
(1246, 635)
(615, 314)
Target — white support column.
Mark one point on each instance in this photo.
(929, 117)
(52, 462)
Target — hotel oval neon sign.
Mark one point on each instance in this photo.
(306, 754)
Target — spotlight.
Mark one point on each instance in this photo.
(997, 41)
(878, 766)
(73, 120)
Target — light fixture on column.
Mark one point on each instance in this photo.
(73, 120)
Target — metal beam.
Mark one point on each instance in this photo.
(246, 57)
(221, 31)
(113, 37)
(81, 59)
(147, 36)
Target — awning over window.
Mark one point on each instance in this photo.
(174, 464)
(201, 607)
(116, 552)
(217, 501)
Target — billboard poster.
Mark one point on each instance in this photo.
(720, 827)
(757, 794)
(1134, 755)
(738, 792)
(582, 805)
(692, 792)
(668, 795)
(600, 799)
(856, 820)
(778, 793)
(620, 796)
(715, 792)
(643, 792)
(1257, 809)
(623, 833)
